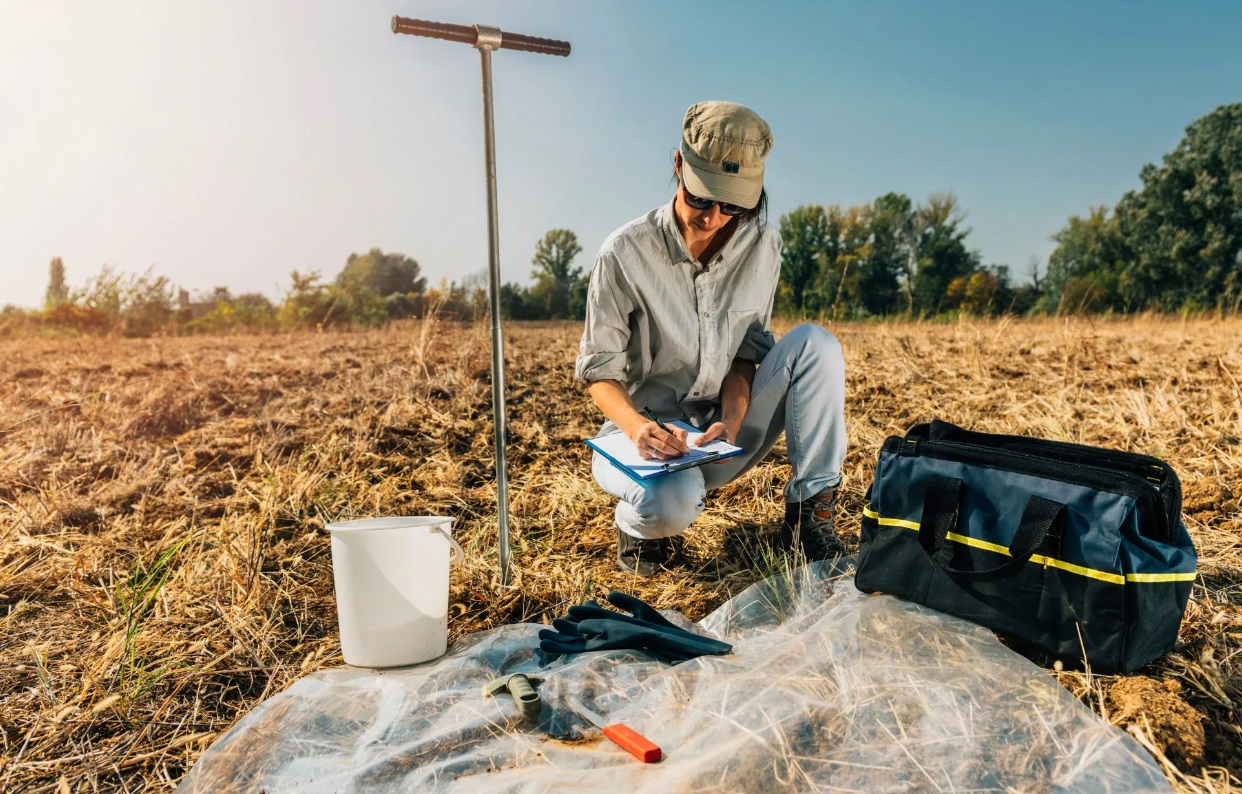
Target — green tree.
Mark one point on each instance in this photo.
(383, 274)
(981, 289)
(1083, 269)
(846, 261)
(559, 291)
(250, 311)
(1008, 299)
(104, 293)
(136, 305)
(150, 303)
(476, 294)
(513, 302)
(1022, 298)
(942, 254)
(57, 290)
(1184, 226)
(893, 242)
(356, 306)
(308, 303)
(805, 241)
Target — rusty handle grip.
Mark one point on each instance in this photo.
(468, 35)
(516, 41)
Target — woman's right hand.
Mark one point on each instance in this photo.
(652, 442)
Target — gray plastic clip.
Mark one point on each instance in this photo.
(522, 687)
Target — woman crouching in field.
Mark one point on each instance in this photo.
(677, 320)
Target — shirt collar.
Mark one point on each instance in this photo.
(675, 244)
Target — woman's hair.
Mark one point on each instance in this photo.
(759, 211)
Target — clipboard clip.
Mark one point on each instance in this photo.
(689, 464)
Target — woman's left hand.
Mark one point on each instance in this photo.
(716, 431)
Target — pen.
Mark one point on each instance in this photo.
(647, 413)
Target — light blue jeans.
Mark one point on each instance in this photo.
(799, 389)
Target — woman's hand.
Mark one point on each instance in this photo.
(652, 442)
(717, 431)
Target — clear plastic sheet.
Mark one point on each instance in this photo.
(827, 689)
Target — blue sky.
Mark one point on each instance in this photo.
(230, 143)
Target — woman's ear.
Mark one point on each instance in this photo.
(677, 164)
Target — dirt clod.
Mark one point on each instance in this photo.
(1207, 494)
(1158, 708)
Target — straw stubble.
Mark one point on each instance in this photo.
(163, 564)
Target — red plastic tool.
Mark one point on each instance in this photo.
(621, 734)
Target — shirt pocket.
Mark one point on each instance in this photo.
(740, 336)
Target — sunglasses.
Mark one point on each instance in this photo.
(705, 204)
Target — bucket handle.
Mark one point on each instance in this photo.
(455, 552)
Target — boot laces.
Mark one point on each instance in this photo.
(819, 536)
(819, 510)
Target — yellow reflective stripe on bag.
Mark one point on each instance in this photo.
(1040, 559)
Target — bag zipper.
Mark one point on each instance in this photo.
(1165, 482)
(1123, 483)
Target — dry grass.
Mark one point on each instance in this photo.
(163, 565)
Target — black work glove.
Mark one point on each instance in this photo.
(591, 627)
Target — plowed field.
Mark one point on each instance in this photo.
(163, 563)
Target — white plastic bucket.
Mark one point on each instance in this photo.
(391, 578)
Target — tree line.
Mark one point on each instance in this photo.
(1174, 244)
(889, 258)
(372, 289)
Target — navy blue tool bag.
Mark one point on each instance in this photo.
(1078, 550)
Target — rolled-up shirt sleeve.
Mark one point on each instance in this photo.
(757, 343)
(606, 337)
(759, 339)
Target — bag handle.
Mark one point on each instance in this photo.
(942, 510)
(939, 430)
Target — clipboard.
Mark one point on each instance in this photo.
(623, 454)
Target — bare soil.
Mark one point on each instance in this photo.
(163, 564)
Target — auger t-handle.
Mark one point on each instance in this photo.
(470, 35)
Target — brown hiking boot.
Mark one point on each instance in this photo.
(810, 524)
(642, 556)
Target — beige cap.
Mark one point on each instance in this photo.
(723, 146)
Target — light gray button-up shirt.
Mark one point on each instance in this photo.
(668, 327)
